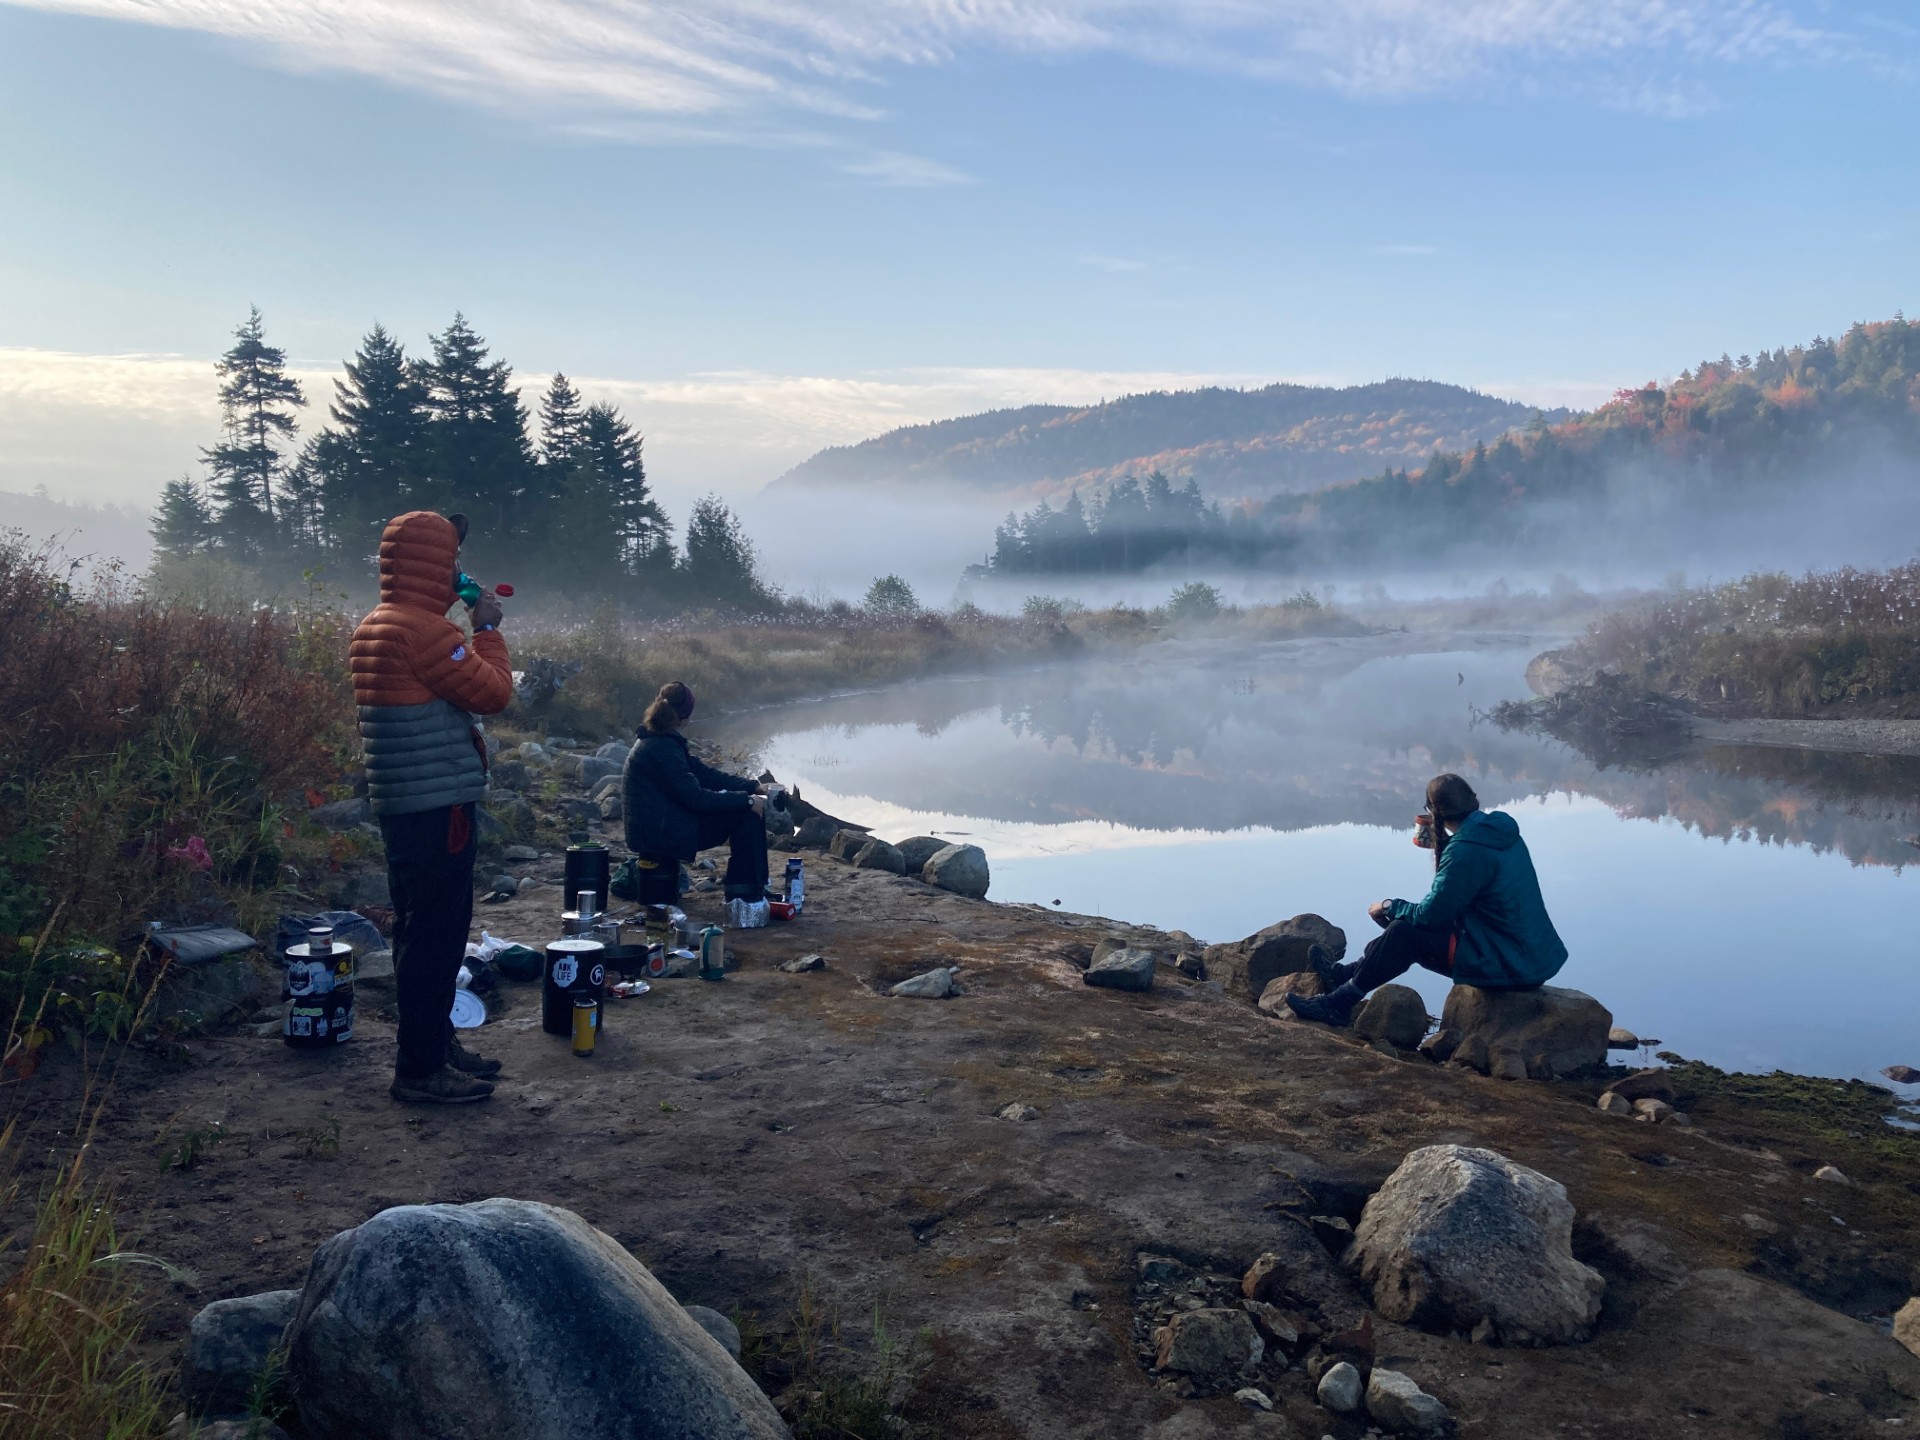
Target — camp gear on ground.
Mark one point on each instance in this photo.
(589, 868)
(575, 969)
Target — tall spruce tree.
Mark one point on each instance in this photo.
(612, 465)
(562, 423)
(183, 521)
(257, 401)
(482, 459)
(721, 567)
(372, 462)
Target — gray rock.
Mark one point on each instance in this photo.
(1394, 1013)
(1158, 1269)
(368, 888)
(1543, 1034)
(1652, 1111)
(1458, 1235)
(1246, 967)
(804, 964)
(1831, 1174)
(515, 815)
(509, 775)
(585, 770)
(933, 985)
(879, 855)
(1213, 1348)
(1305, 983)
(1266, 1278)
(520, 852)
(606, 785)
(373, 978)
(533, 750)
(1017, 1112)
(504, 885)
(615, 750)
(920, 849)
(718, 1326)
(1618, 1039)
(1191, 964)
(1906, 1325)
(342, 814)
(1902, 1074)
(816, 832)
(1401, 1407)
(1644, 1085)
(1615, 1104)
(229, 1345)
(610, 807)
(1254, 1397)
(959, 868)
(509, 1319)
(1276, 1326)
(578, 812)
(1332, 1231)
(1339, 1389)
(1126, 969)
(209, 991)
(846, 843)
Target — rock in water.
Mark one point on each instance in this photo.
(933, 985)
(1906, 1325)
(1618, 1039)
(1544, 1034)
(1458, 1236)
(1125, 969)
(1902, 1074)
(1273, 999)
(879, 855)
(920, 849)
(1246, 967)
(1394, 1013)
(228, 1345)
(509, 1319)
(1401, 1407)
(959, 868)
(1340, 1389)
(1211, 1347)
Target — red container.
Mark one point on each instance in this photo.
(781, 910)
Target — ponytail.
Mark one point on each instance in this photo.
(670, 709)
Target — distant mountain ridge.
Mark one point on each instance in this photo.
(1236, 444)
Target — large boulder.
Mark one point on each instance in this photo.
(846, 843)
(1906, 1325)
(1306, 984)
(920, 849)
(509, 1319)
(1543, 1034)
(1465, 1239)
(959, 868)
(1213, 1348)
(229, 1345)
(879, 855)
(1122, 968)
(1394, 1013)
(816, 832)
(1245, 967)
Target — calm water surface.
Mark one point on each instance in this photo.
(1748, 907)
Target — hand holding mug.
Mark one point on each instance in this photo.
(488, 611)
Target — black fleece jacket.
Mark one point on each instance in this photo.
(666, 786)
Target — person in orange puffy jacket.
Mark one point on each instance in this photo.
(418, 681)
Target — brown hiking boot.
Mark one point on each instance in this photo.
(445, 1086)
(468, 1063)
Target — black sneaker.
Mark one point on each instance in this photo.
(468, 1063)
(445, 1086)
(1334, 1009)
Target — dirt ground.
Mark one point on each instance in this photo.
(785, 1132)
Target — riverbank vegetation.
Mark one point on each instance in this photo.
(1847, 641)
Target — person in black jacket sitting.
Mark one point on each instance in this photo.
(675, 806)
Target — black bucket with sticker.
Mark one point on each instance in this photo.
(319, 981)
(574, 970)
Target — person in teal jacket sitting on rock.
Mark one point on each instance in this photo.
(1483, 923)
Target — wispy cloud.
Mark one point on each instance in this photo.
(890, 167)
(730, 59)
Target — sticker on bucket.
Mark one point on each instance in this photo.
(566, 970)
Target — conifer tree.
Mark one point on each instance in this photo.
(372, 463)
(482, 459)
(257, 400)
(562, 423)
(183, 522)
(721, 567)
(610, 456)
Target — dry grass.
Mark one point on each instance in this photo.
(1774, 645)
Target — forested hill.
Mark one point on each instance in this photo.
(1236, 444)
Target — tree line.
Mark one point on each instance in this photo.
(1729, 431)
(447, 431)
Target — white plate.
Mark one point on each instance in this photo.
(469, 1010)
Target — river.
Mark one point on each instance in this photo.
(1747, 906)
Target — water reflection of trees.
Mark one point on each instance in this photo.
(1340, 737)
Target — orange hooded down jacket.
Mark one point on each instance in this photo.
(417, 679)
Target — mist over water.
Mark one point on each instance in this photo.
(1218, 788)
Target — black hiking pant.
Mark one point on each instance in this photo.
(1400, 947)
(745, 835)
(432, 887)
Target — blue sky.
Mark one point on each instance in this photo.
(763, 226)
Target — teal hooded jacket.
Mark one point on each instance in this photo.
(1485, 891)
